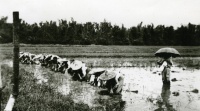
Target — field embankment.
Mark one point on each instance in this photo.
(99, 50)
(37, 97)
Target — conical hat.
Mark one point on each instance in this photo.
(75, 65)
(107, 75)
(37, 56)
(95, 71)
(62, 60)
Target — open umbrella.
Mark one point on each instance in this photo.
(167, 52)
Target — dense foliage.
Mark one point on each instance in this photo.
(71, 32)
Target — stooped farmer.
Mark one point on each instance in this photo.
(78, 70)
(114, 81)
(94, 76)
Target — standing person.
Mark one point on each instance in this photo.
(114, 81)
(166, 65)
(166, 53)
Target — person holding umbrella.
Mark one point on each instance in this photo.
(166, 63)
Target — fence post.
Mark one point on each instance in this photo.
(15, 79)
(0, 87)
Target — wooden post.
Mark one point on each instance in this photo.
(15, 79)
(0, 87)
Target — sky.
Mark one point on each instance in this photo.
(128, 12)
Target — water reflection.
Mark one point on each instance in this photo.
(165, 103)
(114, 103)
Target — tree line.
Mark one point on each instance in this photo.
(103, 33)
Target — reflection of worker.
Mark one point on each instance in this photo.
(165, 94)
(165, 65)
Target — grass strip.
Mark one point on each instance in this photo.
(38, 97)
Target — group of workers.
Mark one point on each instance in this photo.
(78, 70)
(111, 80)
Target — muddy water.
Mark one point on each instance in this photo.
(153, 95)
(143, 89)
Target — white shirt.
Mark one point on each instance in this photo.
(164, 64)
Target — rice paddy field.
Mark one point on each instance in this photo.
(99, 51)
(42, 89)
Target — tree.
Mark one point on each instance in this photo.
(5, 31)
(105, 31)
(102, 33)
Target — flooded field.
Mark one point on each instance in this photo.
(143, 90)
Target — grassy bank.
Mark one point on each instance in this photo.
(45, 97)
(38, 97)
(5, 76)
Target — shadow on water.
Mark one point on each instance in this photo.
(103, 92)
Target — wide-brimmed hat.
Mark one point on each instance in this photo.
(75, 65)
(39, 56)
(107, 75)
(95, 71)
(54, 57)
(60, 60)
